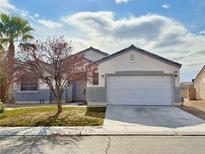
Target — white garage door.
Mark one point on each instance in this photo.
(139, 90)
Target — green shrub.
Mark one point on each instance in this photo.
(2, 107)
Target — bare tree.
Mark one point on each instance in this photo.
(52, 62)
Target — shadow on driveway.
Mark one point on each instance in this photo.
(160, 116)
(195, 111)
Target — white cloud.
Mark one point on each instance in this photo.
(5, 6)
(95, 23)
(165, 6)
(159, 34)
(202, 32)
(121, 1)
(147, 28)
(36, 15)
(9, 8)
(24, 13)
(49, 23)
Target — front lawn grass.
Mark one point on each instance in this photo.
(44, 116)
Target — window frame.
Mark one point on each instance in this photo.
(28, 87)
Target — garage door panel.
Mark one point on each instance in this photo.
(139, 90)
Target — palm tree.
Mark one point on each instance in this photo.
(13, 29)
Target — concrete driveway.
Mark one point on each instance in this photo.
(160, 116)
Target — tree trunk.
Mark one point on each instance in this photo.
(59, 105)
(11, 54)
(11, 70)
(11, 48)
(2, 90)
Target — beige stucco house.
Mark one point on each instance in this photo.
(134, 76)
(199, 84)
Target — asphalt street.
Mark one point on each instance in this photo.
(102, 145)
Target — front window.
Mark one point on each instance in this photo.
(29, 85)
(95, 78)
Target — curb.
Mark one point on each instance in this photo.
(98, 131)
(107, 134)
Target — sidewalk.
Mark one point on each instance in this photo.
(103, 130)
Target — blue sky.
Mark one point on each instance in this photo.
(174, 29)
(189, 12)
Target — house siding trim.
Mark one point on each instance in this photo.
(96, 94)
(43, 94)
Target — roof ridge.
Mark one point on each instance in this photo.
(141, 51)
(87, 49)
(200, 72)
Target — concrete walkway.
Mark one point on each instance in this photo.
(24, 106)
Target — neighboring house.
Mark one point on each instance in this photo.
(199, 84)
(135, 77)
(33, 91)
(188, 91)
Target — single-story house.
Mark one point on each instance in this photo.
(199, 84)
(131, 76)
(134, 76)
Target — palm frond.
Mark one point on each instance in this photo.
(14, 28)
(27, 37)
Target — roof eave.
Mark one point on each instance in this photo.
(170, 62)
(91, 48)
(199, 72)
